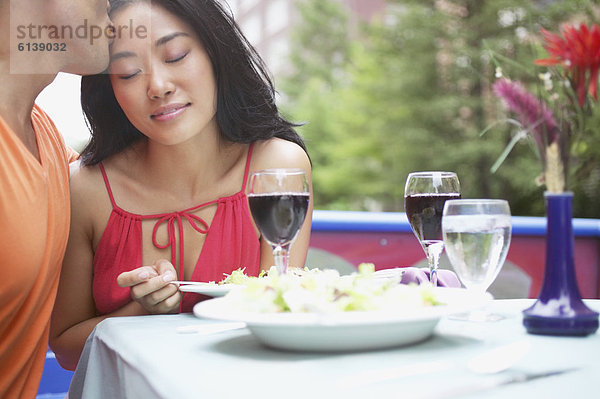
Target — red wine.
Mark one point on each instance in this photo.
(279, 216)
(424, 212)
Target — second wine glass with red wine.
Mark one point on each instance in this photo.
(278, 200)
(424, 196)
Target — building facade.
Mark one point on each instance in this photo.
(268, 24)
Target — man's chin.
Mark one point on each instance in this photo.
(94, 64)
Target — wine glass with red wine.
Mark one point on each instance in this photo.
(278, 201)
(424, 196)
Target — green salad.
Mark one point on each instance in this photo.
(236, 277)
(315, 290)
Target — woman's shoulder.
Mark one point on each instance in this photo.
(278, 153)
(86, 183)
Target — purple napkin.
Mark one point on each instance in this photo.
(446, 278)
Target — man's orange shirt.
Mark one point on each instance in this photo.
(34, 227)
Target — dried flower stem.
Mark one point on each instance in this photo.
(554, 174)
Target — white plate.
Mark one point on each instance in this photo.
(344, 331)
(214, 290)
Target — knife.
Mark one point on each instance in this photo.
(498, 380)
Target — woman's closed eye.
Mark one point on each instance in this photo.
(129, 76)
(124, 70)
(176, 59)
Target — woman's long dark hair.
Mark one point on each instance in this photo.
(246, 109)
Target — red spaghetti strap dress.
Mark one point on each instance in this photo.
(231, 242)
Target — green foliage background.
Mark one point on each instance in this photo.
(412, 91)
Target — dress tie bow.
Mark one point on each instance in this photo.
(172, 219)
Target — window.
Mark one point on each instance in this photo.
(252, 28)
(277, 16)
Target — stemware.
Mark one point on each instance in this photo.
(477, 235)
(424, 196)
(278, 200)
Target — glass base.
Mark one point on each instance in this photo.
(477, 316)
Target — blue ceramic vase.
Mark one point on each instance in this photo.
(559, 309)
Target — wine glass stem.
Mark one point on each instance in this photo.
(434, 251)
(433, 276)
(281, 255)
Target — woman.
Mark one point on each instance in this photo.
(186, 112)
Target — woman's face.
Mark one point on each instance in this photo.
(161, 75)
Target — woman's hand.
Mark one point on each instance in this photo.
(150, 287)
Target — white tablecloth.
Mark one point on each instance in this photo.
(146, 357)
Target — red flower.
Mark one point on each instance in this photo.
(579, 51)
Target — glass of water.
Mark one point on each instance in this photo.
(476, 237)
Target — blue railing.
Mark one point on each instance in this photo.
(55, 380)
(397, 222)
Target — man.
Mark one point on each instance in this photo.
(39, 39)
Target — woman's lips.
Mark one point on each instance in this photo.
(168, 112)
